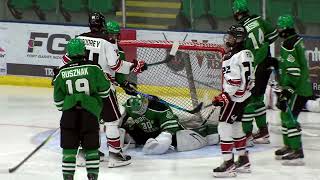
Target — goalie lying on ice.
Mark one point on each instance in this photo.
(154, 125)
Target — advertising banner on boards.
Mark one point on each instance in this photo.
(35, 47)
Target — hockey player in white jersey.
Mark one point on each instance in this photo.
(102, 52)
(238, 80)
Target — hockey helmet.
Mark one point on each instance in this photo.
(236, 34)
(285, 22)
(96, 21)
(112, 27)
(76, 47)
(113, 30)
(240, 6)
(139, 104)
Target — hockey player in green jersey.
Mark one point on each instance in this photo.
(154, 125)
(296, 89)
(260, 34)
(78, 91)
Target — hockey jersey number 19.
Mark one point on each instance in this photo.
(238, 75)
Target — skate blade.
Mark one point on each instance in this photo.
(261, 141)
(249, 143)
(244, 169)
(278, 158)
(295, 162)
(224, 174)
(113, 164)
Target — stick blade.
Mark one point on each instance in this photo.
(196, 109)
(4, 171)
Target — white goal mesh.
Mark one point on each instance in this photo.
(191, 77)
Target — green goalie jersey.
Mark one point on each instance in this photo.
(260, 35)
(156, 119)
(81, 83)
(293, 66)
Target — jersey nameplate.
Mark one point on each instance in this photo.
(252, 25)
(74, 72)
(92, 43)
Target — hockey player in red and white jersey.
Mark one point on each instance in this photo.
(238, 80)
(102, 52)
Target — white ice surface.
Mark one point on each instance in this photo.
(28, 115)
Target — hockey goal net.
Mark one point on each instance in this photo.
(191, 77)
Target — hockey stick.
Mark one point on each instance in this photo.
(302, 132)
(172, 54)
(13, 169)
(192, 111)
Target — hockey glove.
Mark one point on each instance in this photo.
(221, 100)
(283, 98)
(138, 66)
(55, 73)
(129, 88)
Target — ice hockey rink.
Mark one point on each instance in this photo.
(28, 116)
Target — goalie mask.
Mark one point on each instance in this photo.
(139, 104)
(235, 37)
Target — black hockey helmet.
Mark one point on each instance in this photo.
(236, 35)
(96, 21)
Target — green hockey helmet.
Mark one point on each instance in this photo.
(76, 47)
(112, 31)
(240, 6)
(285, 22)
(112, 27)
(139, 104)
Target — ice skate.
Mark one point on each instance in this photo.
(226, 169)
(118, 159)
(262, 136)
(92, 176)
(249, 140)
(281, 152)
(243, 164)
(68, 177)
(294, 158)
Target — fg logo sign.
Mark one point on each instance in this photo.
(56, 43)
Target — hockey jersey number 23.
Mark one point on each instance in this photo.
(238, 75)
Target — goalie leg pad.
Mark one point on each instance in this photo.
(158, 145)
(126, 141)
(188, 140)
(213, 139)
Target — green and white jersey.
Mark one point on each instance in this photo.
(293, 66)
(119, 77)
(157, 118)
(260, 34)
(81, 83)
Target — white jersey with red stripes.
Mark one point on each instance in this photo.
(104, 53)
(238, 75)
